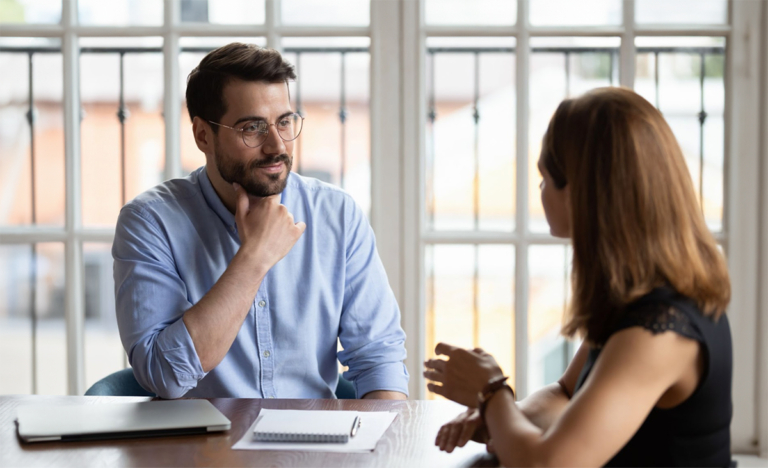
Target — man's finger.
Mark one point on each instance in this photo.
(301, 226)
(243, 204)
(445, 349)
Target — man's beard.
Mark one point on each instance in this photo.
(243, 173)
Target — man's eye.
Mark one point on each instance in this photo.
(255, 127)
(284, 123)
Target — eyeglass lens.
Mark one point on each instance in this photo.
(288, 127)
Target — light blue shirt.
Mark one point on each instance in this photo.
(173, 242)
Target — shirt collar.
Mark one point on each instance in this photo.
(213, 200)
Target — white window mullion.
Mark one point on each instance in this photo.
(75, 291)
(743, 63)
(272, 23)
(522, 58)
(762, 373)
(412, 128)
(386, 154)
(171, 95)
(627, 52)
(762, 319)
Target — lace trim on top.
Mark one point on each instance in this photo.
(659, 318)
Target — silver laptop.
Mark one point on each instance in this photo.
(94, 421)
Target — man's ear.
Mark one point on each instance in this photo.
(203, 135)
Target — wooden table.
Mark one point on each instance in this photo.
(409, 442)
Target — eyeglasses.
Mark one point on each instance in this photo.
(255, 132)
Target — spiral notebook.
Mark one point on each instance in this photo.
(306, 426)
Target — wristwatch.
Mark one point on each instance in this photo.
(490, 389)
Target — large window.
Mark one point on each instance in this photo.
(494, 275)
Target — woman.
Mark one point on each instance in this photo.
(651, 385)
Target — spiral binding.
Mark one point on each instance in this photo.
(301, 437)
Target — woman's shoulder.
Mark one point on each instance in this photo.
(663, 310)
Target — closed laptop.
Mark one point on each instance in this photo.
(94, 421)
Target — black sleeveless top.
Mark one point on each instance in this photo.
(697, 431)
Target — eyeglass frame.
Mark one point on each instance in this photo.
(242, 130)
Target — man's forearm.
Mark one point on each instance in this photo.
(384, 395)
(213, 323)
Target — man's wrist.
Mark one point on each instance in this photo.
(252, 261)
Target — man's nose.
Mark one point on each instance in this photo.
(273, 144)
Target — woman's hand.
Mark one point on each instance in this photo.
(465, 427)
(463, 375)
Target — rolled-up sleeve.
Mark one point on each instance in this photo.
(370, 331)
(150, 300)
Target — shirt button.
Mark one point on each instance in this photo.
(266, 353)
(271, 397)
(262, 303)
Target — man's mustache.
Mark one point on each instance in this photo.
(270, 161)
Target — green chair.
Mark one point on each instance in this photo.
(123, 383)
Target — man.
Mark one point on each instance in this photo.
(237, 280)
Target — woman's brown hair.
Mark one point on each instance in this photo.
(635, 220)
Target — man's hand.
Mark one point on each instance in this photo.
(267, 230)
(267, 233)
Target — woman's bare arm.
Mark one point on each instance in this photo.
(632, 373)
(543, 407)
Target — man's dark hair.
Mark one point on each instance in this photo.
(247, 62)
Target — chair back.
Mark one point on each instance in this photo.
(123, 383)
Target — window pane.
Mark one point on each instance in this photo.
(681, 11)
(32, 278)
(470, 299)
(669, 74)
(332, 93)
(560, 68)
(471, 155)
(326, 12)
(471, 12)
(30, 11)
(120, 12)
(581, 13)
(193, 49)
(106, 185)
(103, 350)
(16, 148)
(548, 295)
(223, 11)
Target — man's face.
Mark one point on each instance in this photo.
(261, 171)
